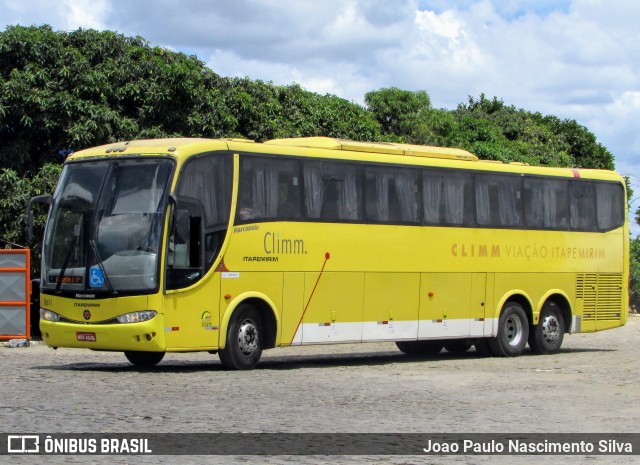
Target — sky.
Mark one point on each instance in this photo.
(576, 59)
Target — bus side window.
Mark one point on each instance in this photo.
(583, 215)
(610, 205)
(208, 179)
(392, 195)
(498, 200)
(545, 202)
(270, 189)
(332, 191)
(432, 198)
(447, 198)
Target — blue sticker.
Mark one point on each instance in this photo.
(95, 277)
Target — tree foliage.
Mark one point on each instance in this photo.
(396, 110)
(265, 111)
(488, 128)
(17, 191)
(62, 91)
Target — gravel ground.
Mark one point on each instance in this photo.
(591, 386)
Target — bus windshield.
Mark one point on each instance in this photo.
(105, 226)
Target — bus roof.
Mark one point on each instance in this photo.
(182, 148)
(376, 147)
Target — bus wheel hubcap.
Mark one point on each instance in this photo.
(550, 329)
(513, 330)
(248, 337)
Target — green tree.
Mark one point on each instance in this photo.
(63, 91)
(13, 203)
(265, 111)
(397, 110)
(496, 131)
(487, 127)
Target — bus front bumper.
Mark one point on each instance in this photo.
(147, 336)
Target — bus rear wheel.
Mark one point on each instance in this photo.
(547, 335)
(144, 359)
(420, 347)
(513, 331)
(244, 339)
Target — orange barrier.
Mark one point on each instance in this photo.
(15, 293)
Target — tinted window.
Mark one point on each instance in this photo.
(283, 188)
(447, 198)
(546, 203)
(392, 195)
(610, 205)
(269, 189)
(498, 200)
(332, 191)
(208, 180)
(583, 201)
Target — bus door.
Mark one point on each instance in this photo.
(192, 316)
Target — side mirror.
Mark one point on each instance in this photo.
(182, 226)
(185, 257)
(187, 231)
(29, 221)
(179, 223)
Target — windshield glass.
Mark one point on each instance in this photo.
(105, 226)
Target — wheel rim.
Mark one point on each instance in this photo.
(513, 330)
(550, 329)
(248, 338)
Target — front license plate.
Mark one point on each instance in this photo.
(86, 337)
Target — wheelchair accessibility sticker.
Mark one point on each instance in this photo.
(96, 279)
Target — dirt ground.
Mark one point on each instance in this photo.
(591, 386)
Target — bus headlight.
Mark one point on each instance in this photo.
(137, 317)
(48, 315)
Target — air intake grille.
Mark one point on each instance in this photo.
(601, 294)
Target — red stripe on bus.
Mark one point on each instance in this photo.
(327, 256)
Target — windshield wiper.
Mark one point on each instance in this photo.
(65, 264)
(95, 218)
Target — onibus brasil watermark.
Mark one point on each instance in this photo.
(415, 444)
(33, 444)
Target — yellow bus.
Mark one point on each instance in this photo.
(234, 247)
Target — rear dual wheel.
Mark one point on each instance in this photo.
(513, 332)
(546, 337)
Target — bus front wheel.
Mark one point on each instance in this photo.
(546, 337)
(513, 331)
(144, 359)
(244, 339)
